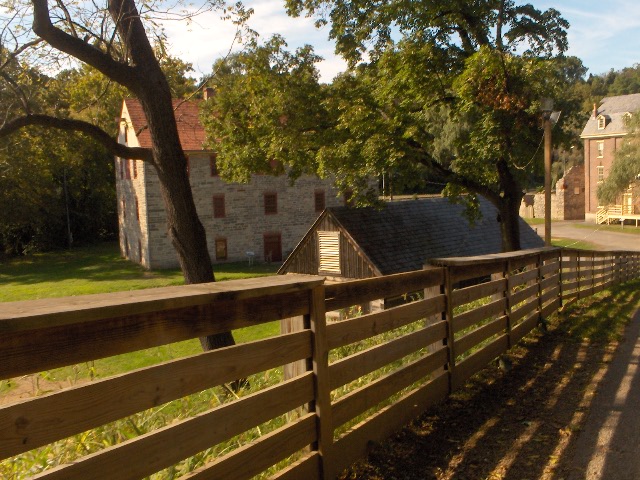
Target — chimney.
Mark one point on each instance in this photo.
(208, 93)
(595, 110)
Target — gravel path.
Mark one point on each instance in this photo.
(603, 239)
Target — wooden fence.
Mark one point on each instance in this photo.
(366, 376)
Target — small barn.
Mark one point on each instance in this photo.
(349, 243)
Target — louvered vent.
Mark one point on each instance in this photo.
(329, 248)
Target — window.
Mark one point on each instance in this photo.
(600, 173)
(601, 149)
(139, 251)
(124, 209)
(329, 252)
(127, 168)
(135, 168)
(270, 203)
(221, 248)
(272, 247)
(602, 122)
(319, 200)
(137, 209)
(213, 165)
(126, 133)
(218, 206)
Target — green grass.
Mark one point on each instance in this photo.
(534, 221)
(629, 228)
(569, 243)
(97, 269)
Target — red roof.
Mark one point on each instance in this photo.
(187, 113)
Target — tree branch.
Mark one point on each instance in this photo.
(42, 26)
(80, 126)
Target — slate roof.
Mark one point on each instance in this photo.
(613, 109)
(191, 131)
(404, 235)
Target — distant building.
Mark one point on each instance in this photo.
(263, 219)
(603, 135)
(567, 202)
(347, 243)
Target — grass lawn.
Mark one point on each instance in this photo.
(569, 243)
(96, 269)
(628, 228)
(534, 221)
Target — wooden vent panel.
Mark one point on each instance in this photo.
(329, 249)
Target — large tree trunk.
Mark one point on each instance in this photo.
(185, 229)
(508, 205)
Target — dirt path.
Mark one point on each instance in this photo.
(526, 423)
(602, 239)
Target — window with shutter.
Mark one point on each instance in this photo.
(319, 200)
(329, 252)
(270, 203)
(218, 206)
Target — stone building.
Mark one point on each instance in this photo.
(603, 135)
(567, 202)
(262, 220)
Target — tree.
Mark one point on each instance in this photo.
(114, 42)
(451, 98)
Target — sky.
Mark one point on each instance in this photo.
(604, 34)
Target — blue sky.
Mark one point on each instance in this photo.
(604, 34)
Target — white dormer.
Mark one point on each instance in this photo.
(602, 122)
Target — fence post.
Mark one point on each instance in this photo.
(539, 281)
(322, 403)
(448, 317)
(506, 273)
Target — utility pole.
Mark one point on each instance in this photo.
(547, 179)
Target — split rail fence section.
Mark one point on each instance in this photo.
(366, 376)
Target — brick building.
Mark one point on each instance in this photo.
(263, 219)
(603, 135)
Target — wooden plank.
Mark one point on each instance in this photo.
(480, 334)
(524, 327)
(356, 329)
(529, 261)
(549, 282)
(166, 446)
(364, 398)
(546, 252)
(477, 270)
(51, 312)
(523, 278)
(566, 276)
(362, 363)
(307, 468)
(466, 319)
(550, 254)
(550, 268)
(30, 351)
(524, 310)
(38, 421)
(479, 360)
(469, 294)
(550, 308)
(252, 459)
(570, 285)
(345, 294)
(355, 443)
(524, 294)
(549, 294)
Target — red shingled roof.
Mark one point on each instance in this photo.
(190, 129)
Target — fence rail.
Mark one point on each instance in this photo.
(362, 377)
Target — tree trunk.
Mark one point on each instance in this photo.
(509, 218)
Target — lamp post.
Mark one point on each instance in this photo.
(549, 118)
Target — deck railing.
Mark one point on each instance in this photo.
(365, 376)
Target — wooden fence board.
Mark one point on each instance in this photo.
(549, 294)
(250, 460)
(341, 295)
(524, 294)
(550, 268)
(307, 468)
(549, 282)
(550, 308)
(522, 278)
(166, 446)
(524, 327)
(478, 360)
(358, 401)
(466, 319)
(362, 363)
(570, 285)
(356, 329)
(31, 351)
(354, 444)
(469, 294)
(480, 334)
(45, 419)
(566, 276)
(516, 315)
(465, 272)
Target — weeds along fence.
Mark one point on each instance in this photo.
(363, 377)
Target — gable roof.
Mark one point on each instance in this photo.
(613, 109)
(190, 130)
(403, 235)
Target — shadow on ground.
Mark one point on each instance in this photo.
(522, 423)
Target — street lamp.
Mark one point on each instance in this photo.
(549, 118)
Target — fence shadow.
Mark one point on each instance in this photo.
(522, 420)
